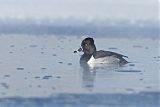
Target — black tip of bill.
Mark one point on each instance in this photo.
(79, 50)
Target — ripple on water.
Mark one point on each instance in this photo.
(129, 71)
(148, 87)
(10, 52)
(39, 86)
(157, 58)
(58, 77)
(5, 85)
(141, 73)
(131, 64)
(25, 78)
(137, 46)
(129, 89)
(54, 55)
(43, 68)
(42, 52)
(7, 76)
(146, 47)
(12, 45)
(69, 64)
(53, 88)
(47, 77)
(36, 77)
(60, 62)
(112, 48)
(33, 46)
(20, 68)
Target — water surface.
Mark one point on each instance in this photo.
(45, 66)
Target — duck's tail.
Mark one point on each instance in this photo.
(125, 56)
(123, 61)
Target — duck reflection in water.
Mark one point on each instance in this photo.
(90, 72)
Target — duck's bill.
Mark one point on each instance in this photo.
(79, 50)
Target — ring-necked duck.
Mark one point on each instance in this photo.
(91, 55)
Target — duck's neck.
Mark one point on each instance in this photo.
(93, 49)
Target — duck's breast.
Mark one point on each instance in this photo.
(107, 59)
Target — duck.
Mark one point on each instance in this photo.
(92, 56)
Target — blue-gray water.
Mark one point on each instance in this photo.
(43, 71)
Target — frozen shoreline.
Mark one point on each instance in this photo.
(144, 99)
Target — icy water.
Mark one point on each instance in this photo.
(42, 71)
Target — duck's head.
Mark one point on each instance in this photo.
(88, 46)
